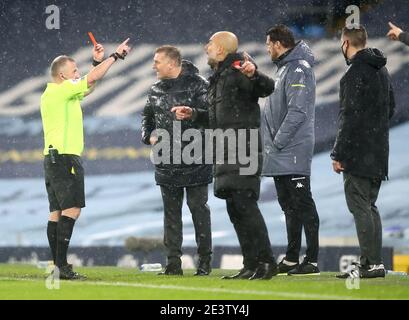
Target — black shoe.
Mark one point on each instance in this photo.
(304, 269)
(204, 267)
(172, 270)
(364, 272)
(265, 271)
(242, 274)
(345, 275)
(201, 272)
(67, 273)
(353, 273)
(285, 268)
(375, 271)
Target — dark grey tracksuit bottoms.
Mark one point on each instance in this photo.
(250, 228)
(361, 194)
(173, 234)
(295, 198)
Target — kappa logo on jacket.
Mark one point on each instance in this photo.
(298, 70)
(299, 184)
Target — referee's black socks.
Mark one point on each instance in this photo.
(52, 238)
(64, 232)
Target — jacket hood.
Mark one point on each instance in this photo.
(189, 68)
(371, 56)
(301, 51)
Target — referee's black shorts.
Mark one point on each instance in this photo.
(64, 181)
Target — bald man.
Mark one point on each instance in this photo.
(233, 105)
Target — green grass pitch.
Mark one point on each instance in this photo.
(29, 282)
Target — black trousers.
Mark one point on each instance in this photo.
(295, 198)
(361, 194)
(250, 228)
(173, 234)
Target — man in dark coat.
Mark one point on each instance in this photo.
(233, 106)
(179, 84)
(361, 148)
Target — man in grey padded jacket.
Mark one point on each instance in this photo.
(288, 138)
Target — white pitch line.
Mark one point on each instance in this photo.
(202, 289)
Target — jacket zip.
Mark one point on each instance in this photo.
(66, 122)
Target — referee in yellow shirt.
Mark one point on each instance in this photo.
(64, 142)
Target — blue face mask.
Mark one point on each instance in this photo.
(344, 53)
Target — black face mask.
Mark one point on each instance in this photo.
(344, 53)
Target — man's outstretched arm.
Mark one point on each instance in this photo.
(261, 84)
(100, 70)
(396, 33)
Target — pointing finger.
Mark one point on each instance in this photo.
(246, 56)
(245, 64)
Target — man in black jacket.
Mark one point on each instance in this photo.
(361, 148)
(179, 84)
(396, 33)
(233, 105)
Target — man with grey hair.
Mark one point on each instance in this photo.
(63, 144)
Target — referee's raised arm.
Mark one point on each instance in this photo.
(101, 69)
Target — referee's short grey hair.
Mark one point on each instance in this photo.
(58, 63)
